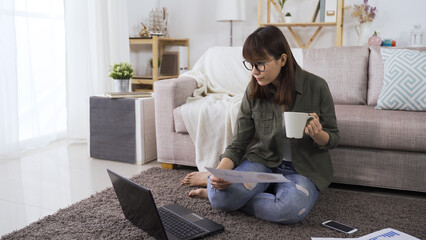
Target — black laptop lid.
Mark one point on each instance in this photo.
(138, 205)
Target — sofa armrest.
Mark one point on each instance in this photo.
(170, 94)
(172, 147)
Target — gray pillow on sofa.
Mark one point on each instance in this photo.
(344, 69)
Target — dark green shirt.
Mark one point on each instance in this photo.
(264, 118)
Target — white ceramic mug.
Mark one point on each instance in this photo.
(295, 123)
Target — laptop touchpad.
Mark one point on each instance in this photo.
(192, 217)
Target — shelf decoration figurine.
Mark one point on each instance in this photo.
(375, 40)
(365, 15)
(416, 37)
(121, 73)
(144, 33)
(158, 22)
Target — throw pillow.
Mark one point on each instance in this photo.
(344, 69)
(404, 84)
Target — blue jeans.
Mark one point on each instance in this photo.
(284, 203)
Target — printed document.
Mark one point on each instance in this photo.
(247, 177)
(384, 234)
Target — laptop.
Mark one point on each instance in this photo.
(167, 222)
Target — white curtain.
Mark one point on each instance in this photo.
(40, 101)
(32, 74)
(96, 37)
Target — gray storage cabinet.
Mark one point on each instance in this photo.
(122, 129)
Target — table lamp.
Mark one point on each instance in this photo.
(231, 11)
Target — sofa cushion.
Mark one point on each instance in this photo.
(364, 126)
(344, 69)
(404, 84)
(178, 120)
(376, 73)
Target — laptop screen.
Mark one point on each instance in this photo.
(138, 205)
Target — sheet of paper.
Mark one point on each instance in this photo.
(388, 234)
(332, 238)
(247, 177)
(384, 234)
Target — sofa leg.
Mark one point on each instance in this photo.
(168, 166)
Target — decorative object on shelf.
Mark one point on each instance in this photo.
(144, 33)
(388, 43)
(365, 15)
(121, 74)
(375, 40)
(328, 11)
(281, 3)
(152, 65)
(288, 17)
(362, 30)
(416, 39)
(282, 17)
(170, 64)
(158, 22)
(231, 11)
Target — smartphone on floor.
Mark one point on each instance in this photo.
(339, 226)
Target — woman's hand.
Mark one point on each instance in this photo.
(314, 126)
(314, 129)
(219, 183)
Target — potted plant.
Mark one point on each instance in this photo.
(375, 40)
(281, 3)
(152, 66)
(288, 17)
(121, 73)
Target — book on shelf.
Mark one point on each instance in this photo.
(128, 94)
(330, 11)
(322, 11)
(313, 11)
(182, 56)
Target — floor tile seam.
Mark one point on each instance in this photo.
(27, 204)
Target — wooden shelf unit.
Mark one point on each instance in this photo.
(158, 44)
(338, 24)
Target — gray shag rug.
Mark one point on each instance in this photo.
(100, 216)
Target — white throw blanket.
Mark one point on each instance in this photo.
(210, 115)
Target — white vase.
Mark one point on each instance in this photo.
(363, 31)
(121, 85)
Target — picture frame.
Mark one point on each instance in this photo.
(170, 64)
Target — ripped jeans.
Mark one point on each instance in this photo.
(284, 203)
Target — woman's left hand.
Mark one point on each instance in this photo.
(313, 127)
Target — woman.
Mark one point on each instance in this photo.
(278, 84)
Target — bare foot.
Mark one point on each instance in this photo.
(201, 192)
(196, 179)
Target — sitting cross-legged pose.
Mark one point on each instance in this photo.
(278, 85)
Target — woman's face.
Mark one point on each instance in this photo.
(271, 70)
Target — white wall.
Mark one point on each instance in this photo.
(196, 20)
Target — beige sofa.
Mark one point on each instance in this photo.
(378, 148)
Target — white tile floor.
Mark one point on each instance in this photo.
(51, 178)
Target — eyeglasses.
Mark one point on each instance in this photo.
(260, 66)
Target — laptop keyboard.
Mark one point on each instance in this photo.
(178, 226)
